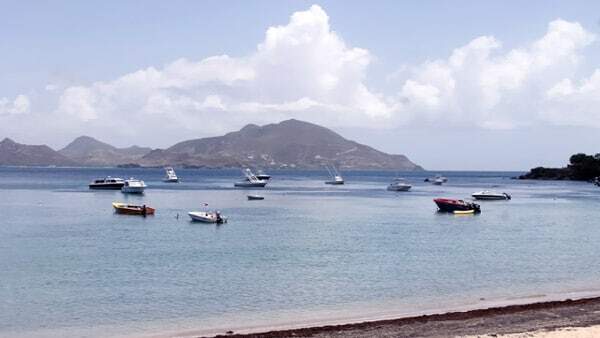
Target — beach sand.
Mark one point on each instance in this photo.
(569, 318)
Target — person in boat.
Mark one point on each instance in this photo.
(144, 210)
(219, 218)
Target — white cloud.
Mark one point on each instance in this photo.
(479, 84)
(573, 104)
(20, 105)
(300, 67)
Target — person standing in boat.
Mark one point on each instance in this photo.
(144, 210)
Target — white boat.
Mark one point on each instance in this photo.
(133, 186)
(336, 177)
(170, 176)
(491, 195)
(255, 198)
(207, 217)
(437, 180)
(399, 184)
(251, 180)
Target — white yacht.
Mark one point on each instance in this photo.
(251, 180)
(133, 186)
(491, 195)
(261, 175)
(336, 177)
(399, 184)
(170, 176)
(437, 180)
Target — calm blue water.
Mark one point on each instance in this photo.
(308, 253)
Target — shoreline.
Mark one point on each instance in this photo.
(530, 318)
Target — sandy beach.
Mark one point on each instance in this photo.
(553, 319)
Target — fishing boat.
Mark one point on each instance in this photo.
(107, 183)
(255, 198)
(129, 209)
(251, 180)
(336, 177)
(207, 217)
(170, 176)
(452, 205)
(133, 186)
(487, 195)
(399, 184)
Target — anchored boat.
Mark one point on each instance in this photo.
(107, 183)
(129, 209)
(399, 184)
(133, 186)
(207, 217)
(491, 195)
(251, 180)
(336, 177)
(170, 176)
(452, 205)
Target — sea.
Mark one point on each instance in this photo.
(308, 254)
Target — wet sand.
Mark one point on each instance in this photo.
(568, 318)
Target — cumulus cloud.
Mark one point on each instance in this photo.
(302, 67)
(20, 105)
(481, 84)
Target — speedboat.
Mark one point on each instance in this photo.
(207, 217)
(336, 177)
(399, 184)
(491, 195)
(170, 176)
(108, 183)
(255, 198)
(438, 181)
(251, 180)
(133, 186)
(129, 209)
(452, 205)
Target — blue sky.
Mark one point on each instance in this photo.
(54, 52)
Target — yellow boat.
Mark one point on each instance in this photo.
(123, 208)
(464, 212)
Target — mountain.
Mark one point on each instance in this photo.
(289, 144)
(88, 151)
(13, 153)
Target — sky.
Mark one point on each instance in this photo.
(454, 85)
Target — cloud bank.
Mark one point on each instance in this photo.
(304, 69)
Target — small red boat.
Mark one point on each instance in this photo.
(452, 205)
(143, 210)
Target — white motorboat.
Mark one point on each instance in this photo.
(108, 183)
(170, 176)
(438, 181)
(207, 217)
(336, 177)
(491, 195)
(251, 180)
(255, 198)
(133, 186)
(399, 184)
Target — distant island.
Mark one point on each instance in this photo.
(581, 167)
(290, 144)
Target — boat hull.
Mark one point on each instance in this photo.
(399, 188)
(132, 190)
(108, 186)
(452, 205)
(491, 197)
(263, 177)
(250, 184)
(255, 198)
(334, 182)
